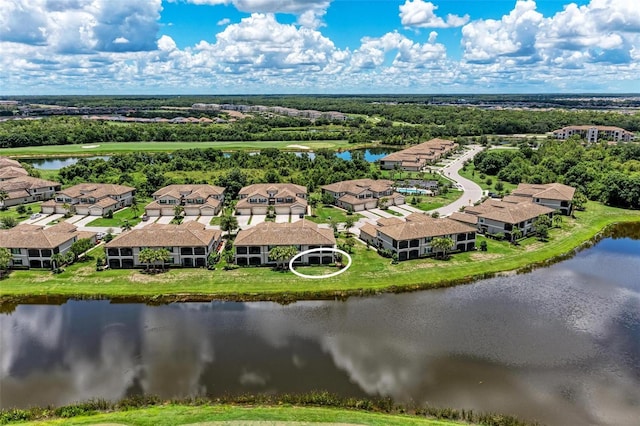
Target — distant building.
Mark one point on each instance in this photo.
(553, 195)
(252, 245)
(417, 157)
(95, 199)
(593, 133)
(26, 189)
(284, 198)
(363, 194)
(196, 200)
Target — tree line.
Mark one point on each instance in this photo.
(602, 172)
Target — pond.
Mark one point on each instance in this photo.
(369, 155)
(58, 162)
(560, 345)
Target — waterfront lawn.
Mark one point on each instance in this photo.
(119, 217)
(369, 272)
(172, 414)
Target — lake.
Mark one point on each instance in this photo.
(560, 345)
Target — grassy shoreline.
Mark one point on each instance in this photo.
(369, 274)
(283, 409)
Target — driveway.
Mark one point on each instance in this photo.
(75, 218)
(205, 220)
(382, 213)
(46, 219)
(281, 218)
(190, 218)
(243, 221)
(165, 220)
(471, 191)
(402, 211)
(369, 215)
(258, 218)
(85, 220)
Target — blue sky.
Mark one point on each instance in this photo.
(318, 46)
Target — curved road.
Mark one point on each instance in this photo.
(472, 191)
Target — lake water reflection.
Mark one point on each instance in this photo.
(559, 345)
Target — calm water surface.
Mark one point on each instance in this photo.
(560, 345)
(58, 163)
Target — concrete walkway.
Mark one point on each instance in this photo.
(75, 218)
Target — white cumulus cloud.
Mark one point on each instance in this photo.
(422, 14)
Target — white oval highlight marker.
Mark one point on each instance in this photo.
(320, 250)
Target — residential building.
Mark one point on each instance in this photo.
(189, 244)
(412, 237)
(363, 194)
(594, 133)
(503, 217)
(10, 169)
(417, 157)
(553, 195)
(283, 198)
(252, 245)
(32, 246)
(27, 189)
(196, 200)
(94, 199)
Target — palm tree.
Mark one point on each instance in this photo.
(5, 259)
(557, 220)
(348, 223)
(442, 245)
(516, 234)
(57, 260)
(334, 225)
(163, 256)
(126, 226)
(135, 208)
(3, 196)
(228, 223)
(146, 257)
(282, 254)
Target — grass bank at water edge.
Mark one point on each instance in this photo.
(285, 409)
(369, 273)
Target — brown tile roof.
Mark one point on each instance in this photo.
(511, 213)
(262, 188)
(26, 182)
(348, 198)
(387, 221)
(8, 162)
(37, 237)
(192, 191)
(356, 186)
(550, 191)
(464, 218)
(369, 229)
(422, 226)
(12, 172)
(96, 190)
(302, 232)
(425, 151)
(188, 234)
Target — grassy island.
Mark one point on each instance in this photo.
(369, 274)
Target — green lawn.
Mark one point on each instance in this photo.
(324, 213)
(368, 273)
(118, 147)
(172, 414)
(119, 218)
(473, 175)
(12, 211)
(429, 203)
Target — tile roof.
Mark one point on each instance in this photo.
(8, 162)
(550, 191)
(464, 218)
(203, 190)
(509, 212)
(302, 232)
(12, 172)
(188, 234)
(425, 151)
(262, 188)
(421, 226)
(356, 186)
(26, 182)
(96, 190)
(37, 237)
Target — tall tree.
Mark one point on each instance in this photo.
(228, 223)
(442, 245)
(5, 259)
(282, 255)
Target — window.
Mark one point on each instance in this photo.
(113, 252)
(17, 262)
(16, 251)
(126, 251)
(254, 250)
(241, 250)
(199, 250)
(186, 250)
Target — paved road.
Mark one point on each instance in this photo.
(472, 191)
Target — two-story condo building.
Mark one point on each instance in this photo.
(553, 195)
(503, 217)
(411, 238)
(196, 200)
(10, 169)
(252, 245)
(593, 133)
(32, 246)
(27, 189)
(94, 199)
(363, 194)
(417, 157)
(284, 198)
(189, 244)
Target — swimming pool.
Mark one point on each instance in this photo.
(413, 191)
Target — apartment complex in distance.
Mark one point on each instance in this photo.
(197, 200)
(417, 157)
(94, 199)
(283, 198)
(363, 194)
(594, 133)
